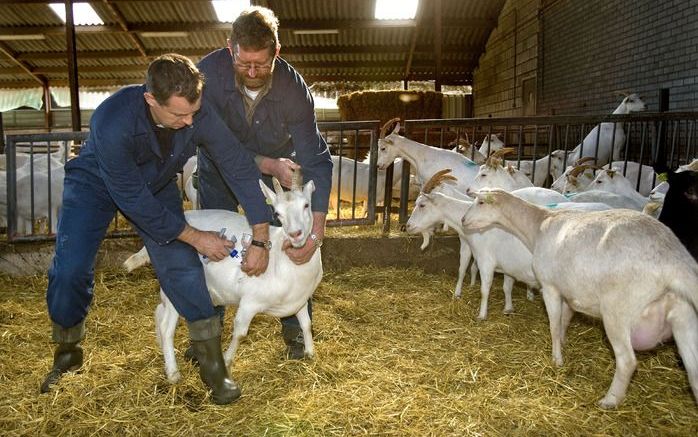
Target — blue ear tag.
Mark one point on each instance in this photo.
(551, 205)
(470, 163)
(234, 253)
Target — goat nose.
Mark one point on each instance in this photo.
(295, 234)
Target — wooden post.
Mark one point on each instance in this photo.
(72, 67)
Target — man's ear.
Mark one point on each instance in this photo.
(278, 49)
(150, 99)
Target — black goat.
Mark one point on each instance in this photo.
(680, 210)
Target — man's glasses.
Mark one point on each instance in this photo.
(247, 66)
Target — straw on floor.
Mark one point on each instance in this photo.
(396, 355)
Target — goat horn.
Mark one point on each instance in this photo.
(584, 159)
(503, 152)
(296, 180)
(277, 186)
(579, 169)
(436, 179)
(388, 124)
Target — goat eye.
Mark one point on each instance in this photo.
(305, 206)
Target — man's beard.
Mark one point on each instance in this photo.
(254, 83)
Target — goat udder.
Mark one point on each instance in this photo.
(653, 328)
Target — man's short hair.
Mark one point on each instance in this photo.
(256, 28)
(174, 74)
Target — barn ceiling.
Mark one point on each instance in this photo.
(444, 41)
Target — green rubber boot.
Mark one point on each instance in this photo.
(206, 346)
(68, 355)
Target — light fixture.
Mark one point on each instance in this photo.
(28, 37)
(316, 32)
(164, 34)
(228, 10)
(396, 9)
(83, 14)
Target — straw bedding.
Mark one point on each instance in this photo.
(396, 355)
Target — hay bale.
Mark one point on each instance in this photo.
(385, 105)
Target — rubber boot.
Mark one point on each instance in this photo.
(189, 353)
(68, 355)
(206, 344)
(293, 338)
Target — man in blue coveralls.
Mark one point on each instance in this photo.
(140, 137)
(267, 105)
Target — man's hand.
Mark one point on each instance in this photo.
(283, 169)
(303, 254)
(299, 255)
(257, 258)
(207, 243)
(255, 261)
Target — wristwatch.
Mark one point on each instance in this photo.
(316, 240)
(264, 244)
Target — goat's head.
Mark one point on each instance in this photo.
(484, 211)
(387, 152)
(683, 185)
(631, 103)
(292, 208)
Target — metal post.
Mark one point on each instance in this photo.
(72, 66)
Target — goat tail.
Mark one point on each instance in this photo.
(138, 259)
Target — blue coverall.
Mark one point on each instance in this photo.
(283, 126)
(120, 167)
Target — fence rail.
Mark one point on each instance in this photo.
(669, 137)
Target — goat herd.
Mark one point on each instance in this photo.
(585, 244)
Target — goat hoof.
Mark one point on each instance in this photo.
(511, 311)
(609, 402)
(175, 377)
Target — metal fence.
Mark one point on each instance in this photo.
(31, 191)
(669, 136)
(33, 188)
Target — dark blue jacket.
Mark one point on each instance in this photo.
(284, 121)
(122, 155)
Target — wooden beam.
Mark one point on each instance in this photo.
(397, 76)
(111, 54)
(461, 64)
(22, 65)
(413, 42)
(119, 17)
(72, 67)
(438, 23)
(288, 25)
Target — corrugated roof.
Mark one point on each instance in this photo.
(362, 49)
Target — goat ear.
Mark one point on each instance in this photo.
(268, 193)
(309, 188)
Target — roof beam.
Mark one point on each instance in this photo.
(413, 42)
(119, 17)
(102, 54)
(298, 65)
(447, 79)
(22, 65)
(288, 25)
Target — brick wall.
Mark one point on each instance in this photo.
(582, 52)
(509, 63)
(589, 49)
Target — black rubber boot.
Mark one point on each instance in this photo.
(189, 353)
(293, 337)
(68, 355)
(206, 345)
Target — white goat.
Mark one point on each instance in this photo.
(611, 138)
(629, 270)
(362, 172)
(613, 181)
(492, 174)
(426, 160)
(494, 250)
(283, 290)
(491, 143)
(463, 146)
